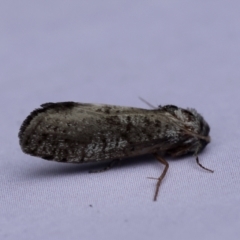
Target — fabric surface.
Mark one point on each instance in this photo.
(184, 53)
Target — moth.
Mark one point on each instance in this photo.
(81, 132)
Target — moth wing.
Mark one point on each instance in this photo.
(76, 132)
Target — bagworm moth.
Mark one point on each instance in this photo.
(81, 132)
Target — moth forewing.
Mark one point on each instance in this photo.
(80, 132)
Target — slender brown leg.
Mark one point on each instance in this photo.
(164, 162)
(203, 166)
(109, 166)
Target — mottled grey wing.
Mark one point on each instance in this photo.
(75, 132)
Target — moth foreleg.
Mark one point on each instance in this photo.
(207, 169)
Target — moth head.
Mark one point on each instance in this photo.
(194, 130)
(193, 126)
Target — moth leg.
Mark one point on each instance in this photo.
(164, 162)
(109, 166)
(207, 169)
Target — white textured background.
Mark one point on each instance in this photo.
(185, 53)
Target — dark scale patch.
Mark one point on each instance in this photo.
(117, 143)
(132, 149)
(113, 120)
(149, 136)
(124, 136)
(138, 135)
(99, 110)
(129, 126)
(104, 141)
(44, 135)
(44, 107)
(157, 124)
(83, 153)
(159, 131)
(146, 121)
(107, 110)
(55, 129)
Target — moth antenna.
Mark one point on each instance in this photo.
(199, 164)
(147, 103)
